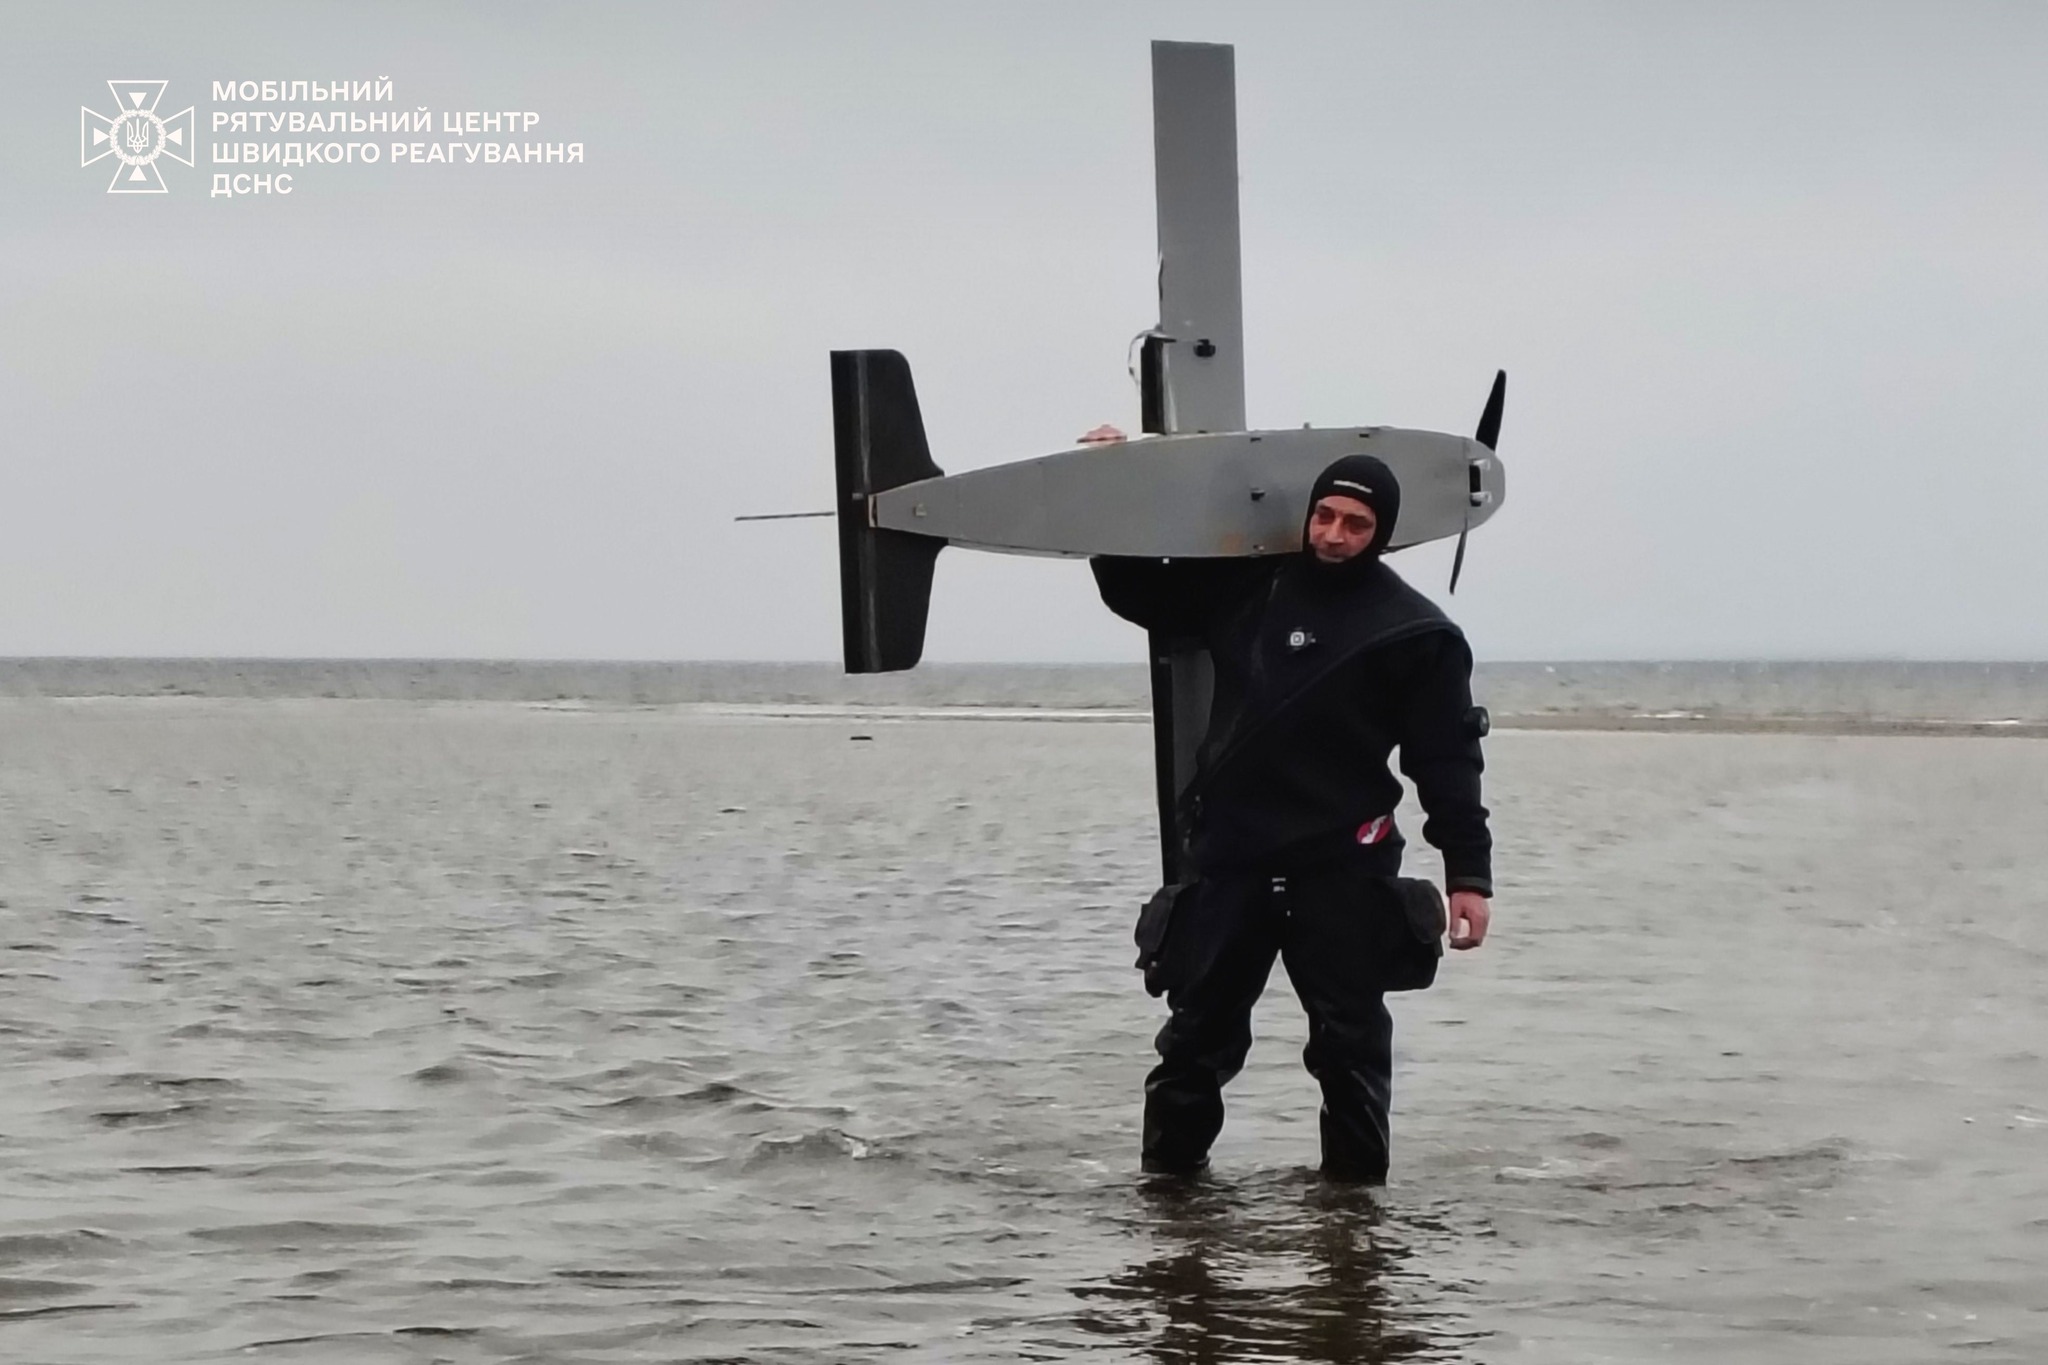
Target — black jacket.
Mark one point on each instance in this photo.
(1319, 677)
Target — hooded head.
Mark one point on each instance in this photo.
(1362, 480)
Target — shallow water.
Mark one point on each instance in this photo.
(376, 1031)
(1829, 695)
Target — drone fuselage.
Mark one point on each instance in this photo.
(1202, 495)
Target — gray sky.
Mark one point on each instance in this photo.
(1770, 281)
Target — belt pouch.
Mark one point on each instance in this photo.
(1417, 944)
(1154, 921)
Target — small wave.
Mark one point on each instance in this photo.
(704, 1096)
(317, 1337)
(820, 1146)
(169, 1170)
(96, 917)
(631, 1072)
(309, 1340)
(38, 1289)
(454, 1071)
(149, 1118)
(970, 1285)
(299, 1233)
(604, 1276)
(314, 1168)
(1596, 1140)
(55, 1246)
(656, 1143)
(1549, 1170)
(57, 1310)
(1821, 1156)
(153, 1080)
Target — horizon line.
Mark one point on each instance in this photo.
(553, 660)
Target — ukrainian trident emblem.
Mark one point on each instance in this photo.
(136, 136)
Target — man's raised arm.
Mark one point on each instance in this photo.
(1173, 597)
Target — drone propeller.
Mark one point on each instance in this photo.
(1488, 435)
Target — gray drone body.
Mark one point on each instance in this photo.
(1220, 494)
(1196, 486)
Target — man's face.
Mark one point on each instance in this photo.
(1340, 528)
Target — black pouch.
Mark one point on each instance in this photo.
(1154, 921)
(1415, 944)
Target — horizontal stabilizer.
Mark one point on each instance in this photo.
(885, 577)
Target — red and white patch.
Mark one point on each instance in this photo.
(1376, 829)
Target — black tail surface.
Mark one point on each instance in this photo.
(885, 577)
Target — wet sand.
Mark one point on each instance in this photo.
(372, 1031)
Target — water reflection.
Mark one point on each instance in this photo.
(1287, 1270)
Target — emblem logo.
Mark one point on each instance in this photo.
(1376, 829)
(136, 136)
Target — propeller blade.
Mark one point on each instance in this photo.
(1488, 434)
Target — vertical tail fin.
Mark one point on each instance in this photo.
(885, 577)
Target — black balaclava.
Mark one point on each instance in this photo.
(1370, 482)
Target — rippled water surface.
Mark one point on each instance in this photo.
(1821, 694)
(377, 1031)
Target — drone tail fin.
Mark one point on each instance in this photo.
(885, 577)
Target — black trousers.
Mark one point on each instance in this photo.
(1217, 956)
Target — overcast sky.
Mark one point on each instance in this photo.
(1770, 282)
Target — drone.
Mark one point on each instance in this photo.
(1195, 485)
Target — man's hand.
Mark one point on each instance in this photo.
(1469, 914)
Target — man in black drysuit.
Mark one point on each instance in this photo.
(1325, 661)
